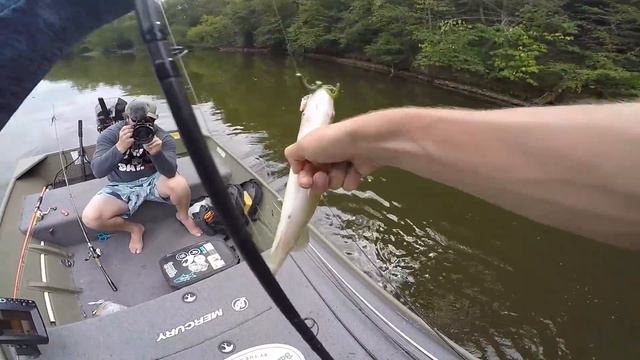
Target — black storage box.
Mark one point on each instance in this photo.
(198, 261)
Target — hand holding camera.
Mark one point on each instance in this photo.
(153, 147)
(143, 116)
(125, 139)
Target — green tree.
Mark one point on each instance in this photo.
(357, 29)
(394, 44)
(542, 48)
(272, 25)
(313, 26)
(456, 44)
(212, 31)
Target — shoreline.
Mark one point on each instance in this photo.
(477, 92)
(469, 90)
(443, 83)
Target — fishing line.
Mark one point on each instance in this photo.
(170, 80)
(356, 241)
(286, 38)
(288, 45)
(184, 69)
(73, 161)
(94, 253)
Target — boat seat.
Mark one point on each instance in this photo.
(64, 230)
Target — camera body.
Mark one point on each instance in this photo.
(143, 130)
(143, 116)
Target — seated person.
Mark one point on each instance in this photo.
(136, 173)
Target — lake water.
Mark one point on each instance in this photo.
(499, 285)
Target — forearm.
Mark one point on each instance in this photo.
(575, 168)
(164, 165)
(165, 160)
(103, 164)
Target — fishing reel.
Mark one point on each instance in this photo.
(94, 253)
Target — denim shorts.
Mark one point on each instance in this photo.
(134, 193)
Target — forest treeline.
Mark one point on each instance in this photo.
(533, 49)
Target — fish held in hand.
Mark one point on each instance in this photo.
(299, 203)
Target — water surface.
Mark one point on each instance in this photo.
(498, 284)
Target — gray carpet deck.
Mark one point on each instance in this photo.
(138, 277)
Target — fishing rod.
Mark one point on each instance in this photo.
(35, 217)
(148, 14)
(94, 252)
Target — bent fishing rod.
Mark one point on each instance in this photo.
(154, 35)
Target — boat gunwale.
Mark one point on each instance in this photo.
(322, 240)
(337, 254)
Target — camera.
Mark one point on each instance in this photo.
(143, 116)
(143, 131)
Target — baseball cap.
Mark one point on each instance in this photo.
(136, 109)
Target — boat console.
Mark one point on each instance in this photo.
(21, 325)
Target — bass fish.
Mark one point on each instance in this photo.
(299, 204)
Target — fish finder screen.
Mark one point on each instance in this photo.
(16, 323)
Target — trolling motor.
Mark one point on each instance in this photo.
(107, 116)
(81, 154)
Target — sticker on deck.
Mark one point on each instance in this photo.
(197, 262)
(214, 258)
(170, 269)
(269, 351)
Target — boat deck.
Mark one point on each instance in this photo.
(137, 276)
(353, 317)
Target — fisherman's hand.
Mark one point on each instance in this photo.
(327, 158)
(154, 147)
(125, 138)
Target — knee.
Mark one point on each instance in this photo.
(178, 184)
(91, 217)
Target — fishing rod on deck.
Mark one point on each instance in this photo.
(93, 252)
(154, 34)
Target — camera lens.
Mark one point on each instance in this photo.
(143, 133)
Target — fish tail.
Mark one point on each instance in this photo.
(275, 262)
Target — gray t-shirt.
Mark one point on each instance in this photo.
(136, 162)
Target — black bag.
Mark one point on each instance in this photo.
(254, 191)
(246, 199)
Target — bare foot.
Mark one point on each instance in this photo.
(135, 244)
(189, 224)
